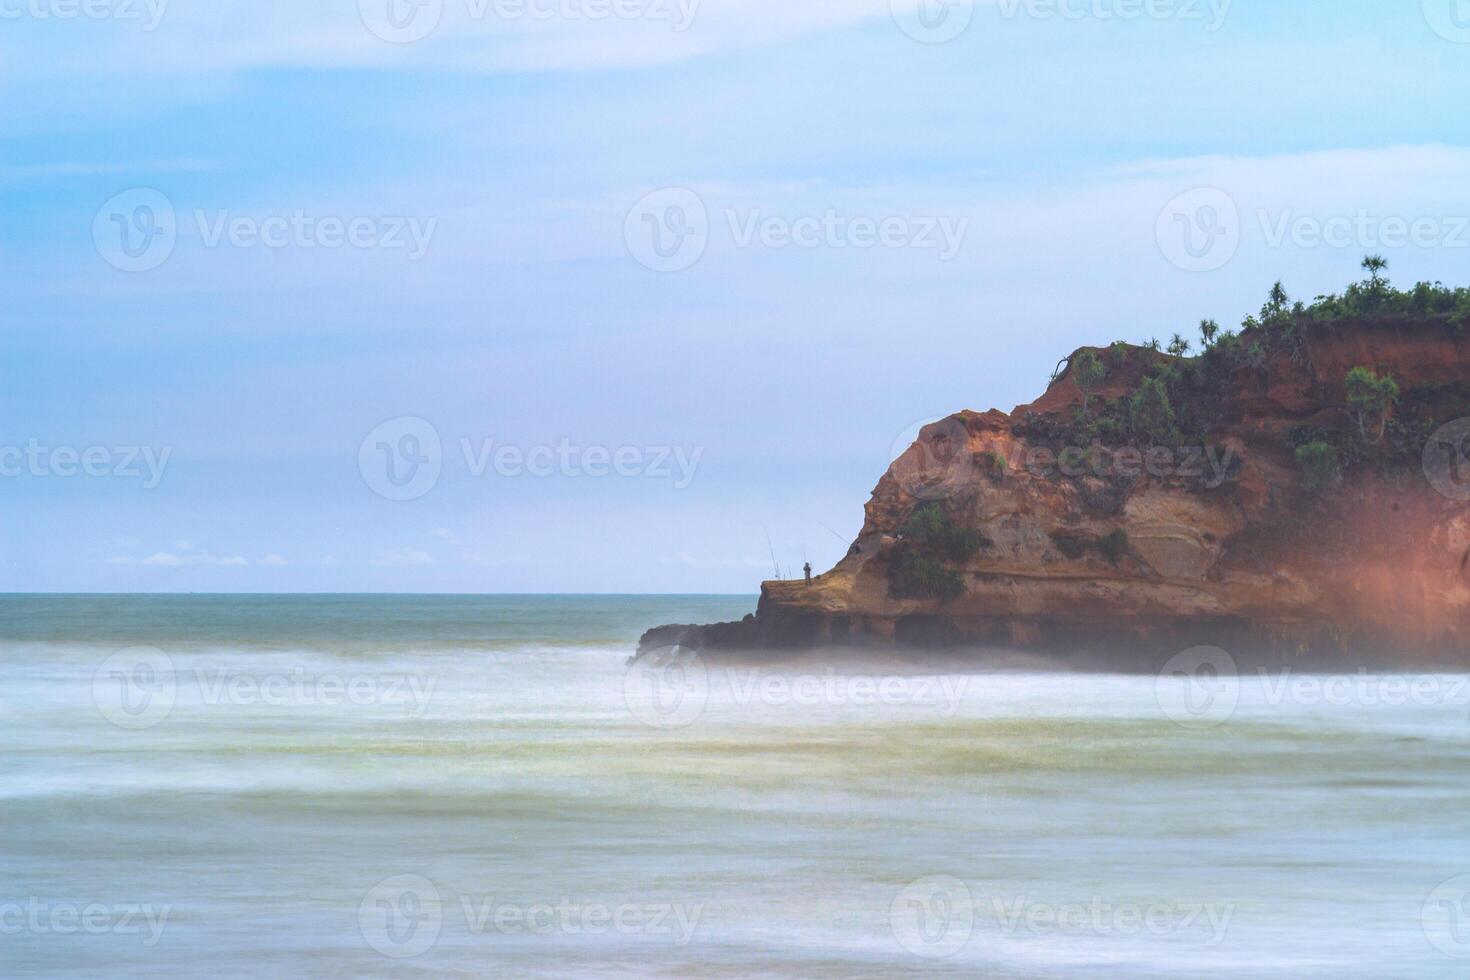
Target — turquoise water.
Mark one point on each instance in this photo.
(478, 786)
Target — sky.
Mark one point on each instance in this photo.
(635, 295)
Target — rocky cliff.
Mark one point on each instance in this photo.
(1262, 496)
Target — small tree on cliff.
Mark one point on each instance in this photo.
(1207, 331)
(1150, 411)
(1178, 346)
(1374, 266)
(1375, 290)
(1277, 299)
(1088, 372)
(1369, 398)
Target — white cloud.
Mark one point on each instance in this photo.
(1338, 177)
(186, 554)
(498, 561)
(225, 37)
(403, 557)
(73, 168)
(183, 557)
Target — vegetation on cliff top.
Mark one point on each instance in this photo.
(1180, 399)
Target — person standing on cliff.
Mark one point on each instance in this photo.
(808, 569)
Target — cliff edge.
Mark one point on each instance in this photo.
(1299, 489)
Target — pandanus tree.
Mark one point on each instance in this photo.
(1277, 300)
(1369, 398)
(1087, 372)
(1374, 266)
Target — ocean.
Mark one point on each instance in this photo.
(432, 786)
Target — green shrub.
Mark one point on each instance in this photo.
(916, 576)
(918, 569)
(1087, 373)
(932, 534)
(1070, 544)
(1150, 412)
(1369, 398)
(1114, 545)
(1321, 468)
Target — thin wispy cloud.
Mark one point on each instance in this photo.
(404, 558)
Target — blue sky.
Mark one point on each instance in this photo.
(1064, 147)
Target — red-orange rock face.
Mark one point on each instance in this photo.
(1113, 543)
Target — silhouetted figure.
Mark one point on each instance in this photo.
(808, 569)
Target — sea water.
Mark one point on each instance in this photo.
(479, 786)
